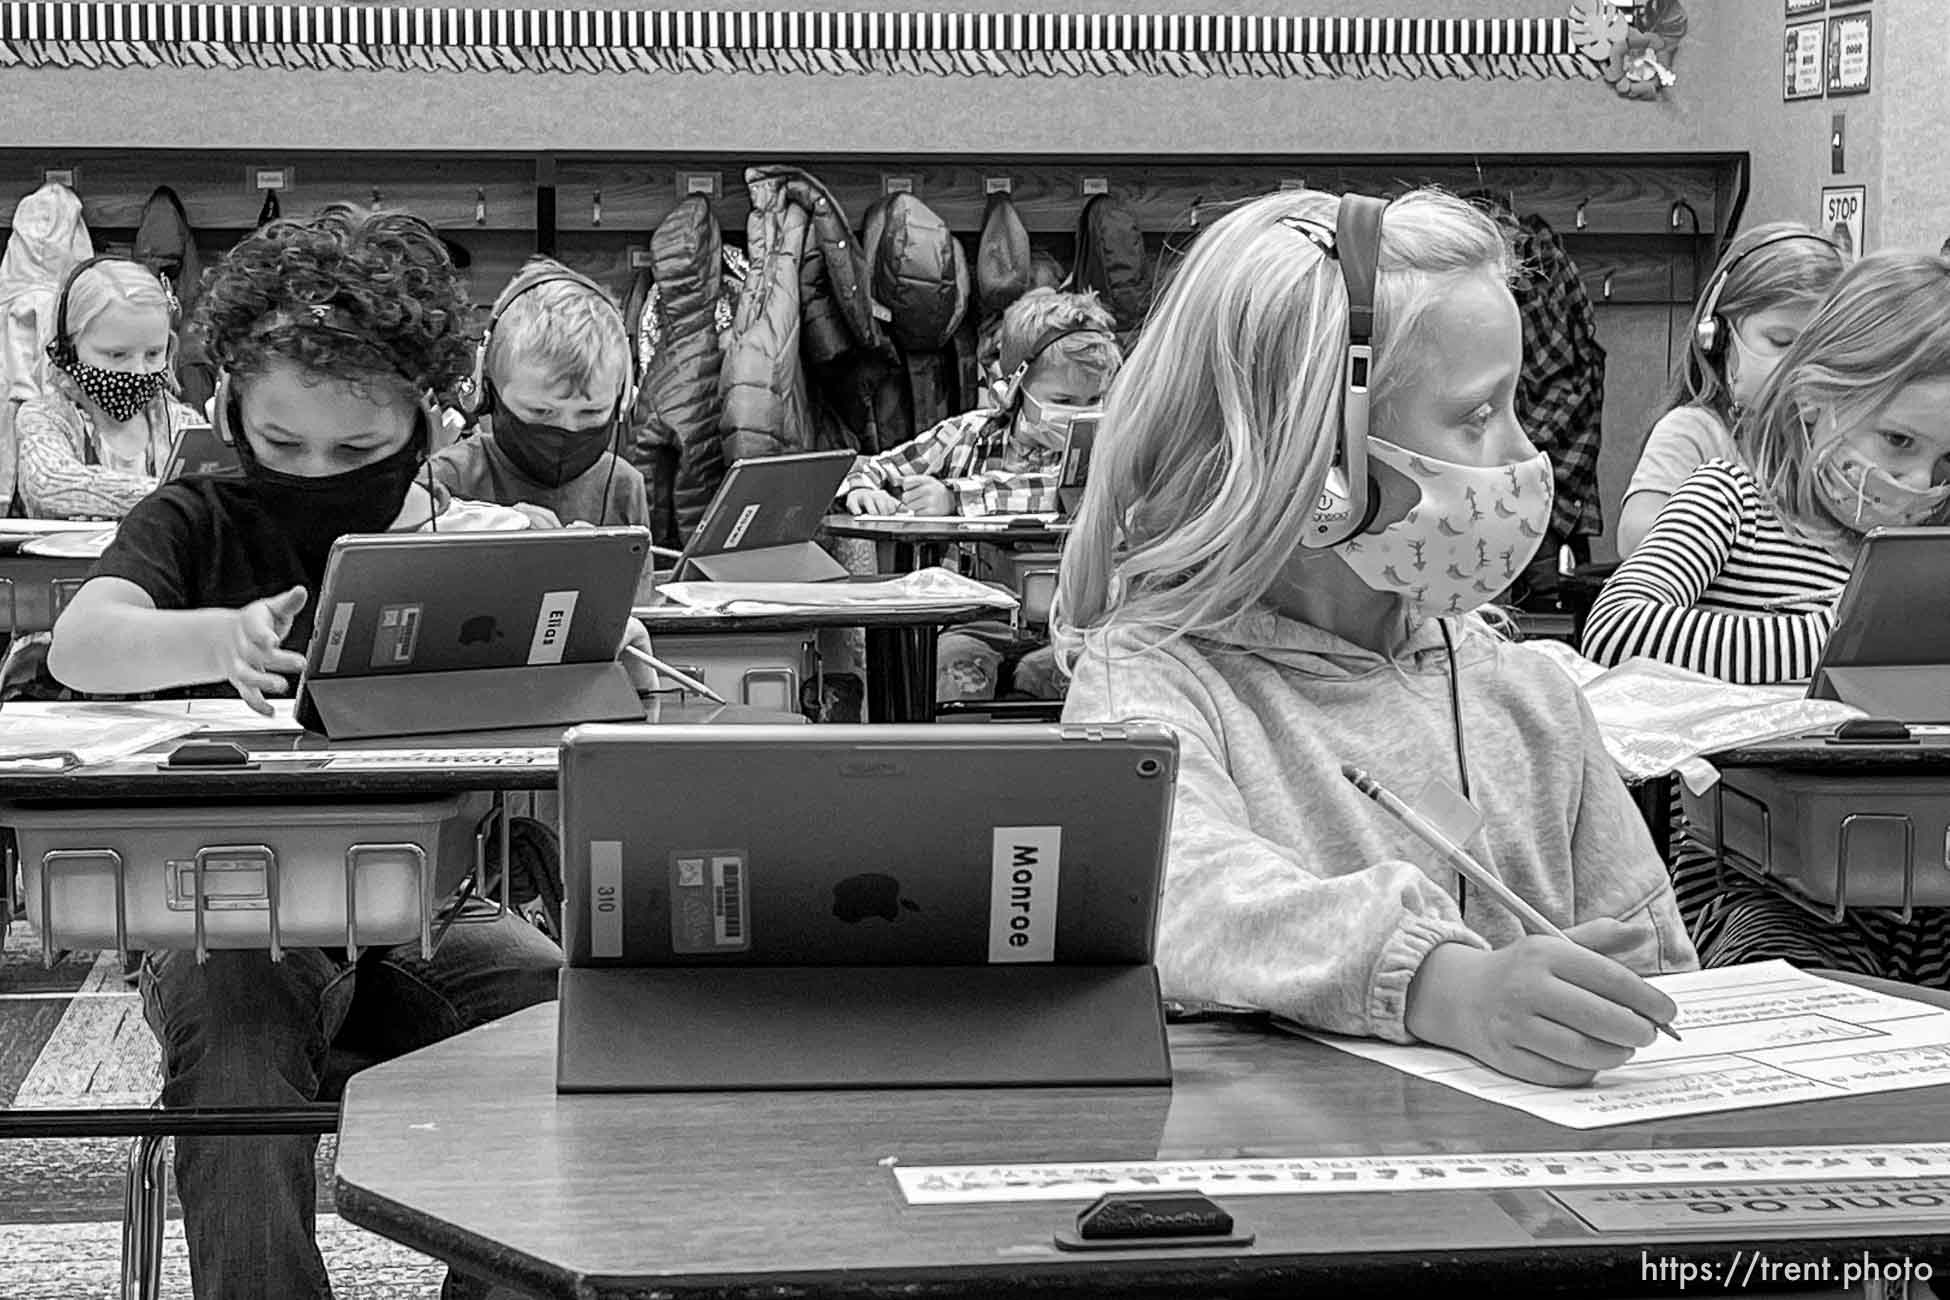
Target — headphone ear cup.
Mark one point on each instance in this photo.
(1712, 331)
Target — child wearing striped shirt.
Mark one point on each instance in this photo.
(1738, 576)
(1756, 302)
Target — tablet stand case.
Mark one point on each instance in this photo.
(796, 562)
(1905, 692)
(485, 699)
(739, 1028)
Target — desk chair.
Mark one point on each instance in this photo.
(1033, 577)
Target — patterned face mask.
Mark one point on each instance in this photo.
(1865, 497)
(1473, 531)
(121, 394)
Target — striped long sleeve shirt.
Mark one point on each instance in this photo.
(1714, 585)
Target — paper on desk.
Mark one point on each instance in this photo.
(1755, 1035)
(1445, 1172)
(77, 545)
(49, 741)
(202, 715)
(1657, 719)
(929, 589)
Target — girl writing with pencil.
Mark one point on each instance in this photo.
(1309, 478)
(1739, 576)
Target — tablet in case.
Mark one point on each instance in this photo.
(1889, 654)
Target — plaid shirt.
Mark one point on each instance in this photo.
(984, 468)
(1561, 396)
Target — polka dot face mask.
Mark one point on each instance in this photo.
(121, 394)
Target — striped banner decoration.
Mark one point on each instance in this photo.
(37, 33)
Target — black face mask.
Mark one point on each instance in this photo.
(315, 512)
(547, 453)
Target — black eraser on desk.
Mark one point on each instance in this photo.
(209, 753)
(1873, 731)
(1151, 1221)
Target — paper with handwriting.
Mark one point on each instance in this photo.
(1755, 1035)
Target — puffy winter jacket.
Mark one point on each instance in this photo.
(763, 383)
(1111, 260)
(165, 241)
(920, 275)
(675, 425)
(48, 240)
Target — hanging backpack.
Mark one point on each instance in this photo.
(1002, 257)
(1110, 259)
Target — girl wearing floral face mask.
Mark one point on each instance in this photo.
(95, 441)
(1195, 592)
(1738, 578)
(1755, 303)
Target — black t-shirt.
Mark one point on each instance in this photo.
(201, 542)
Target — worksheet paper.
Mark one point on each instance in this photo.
(1437, 1172)
(1755, 1035)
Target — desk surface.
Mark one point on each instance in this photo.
(751, 1195)
(1928, 754)
(917, 528)
(308, 774)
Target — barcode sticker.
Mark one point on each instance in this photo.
(710, 909)
(396, 637)
(605, 898)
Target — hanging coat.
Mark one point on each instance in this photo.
(49, 239)
(165, 241)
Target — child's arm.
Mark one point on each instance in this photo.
(55, 484)
(1650, 605)
(1246, 920)
(112, 640)
(1001, 492)
(925, 457)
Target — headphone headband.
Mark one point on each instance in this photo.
(1711, 331)
(61, 347)
(564, 275)
(1349, 500)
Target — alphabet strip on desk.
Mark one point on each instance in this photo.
(969, 1184)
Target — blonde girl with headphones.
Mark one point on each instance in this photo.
(98, 438)
(1309, 478)
(1755, 305)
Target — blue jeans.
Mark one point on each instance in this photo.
(242, 1030)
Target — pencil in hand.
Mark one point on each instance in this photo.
(1454, 857)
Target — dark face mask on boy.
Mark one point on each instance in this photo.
(549, 454)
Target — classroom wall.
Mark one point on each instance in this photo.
(255, 109)
(1914, 49)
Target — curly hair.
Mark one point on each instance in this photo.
(355, 295)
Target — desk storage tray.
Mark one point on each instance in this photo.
(274, 876)
(1833, 841)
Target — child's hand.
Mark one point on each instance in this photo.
(642, 675)
(927, 496)
(539, 517)
(1542, 1009)
(871, 501)
(249, 652)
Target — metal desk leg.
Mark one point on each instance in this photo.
(900, 673)
(142, 1219)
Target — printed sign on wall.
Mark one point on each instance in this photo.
(1802, 63)
(1848, 55)
(1798, 7)
(1841, 217)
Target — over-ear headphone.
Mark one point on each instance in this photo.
(1349, 500)
(225, 419)
(482, 390)
(1713, 331)
(60, 348)
(1009, 392)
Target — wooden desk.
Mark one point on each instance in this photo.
(750, 1196)
(900, 645)
(921, 543)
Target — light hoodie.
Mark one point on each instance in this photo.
(1287, 889)
(49, 239)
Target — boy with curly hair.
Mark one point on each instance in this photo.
(553, 382)
(331, 333)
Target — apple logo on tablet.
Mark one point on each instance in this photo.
(479, 630)
(858, 897)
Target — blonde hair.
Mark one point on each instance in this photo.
(1095, 352)
(1761, 271)
(569, 326)
(1885, 326)
(92, 290)
(1223, 424)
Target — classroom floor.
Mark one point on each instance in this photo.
(74, 1036)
